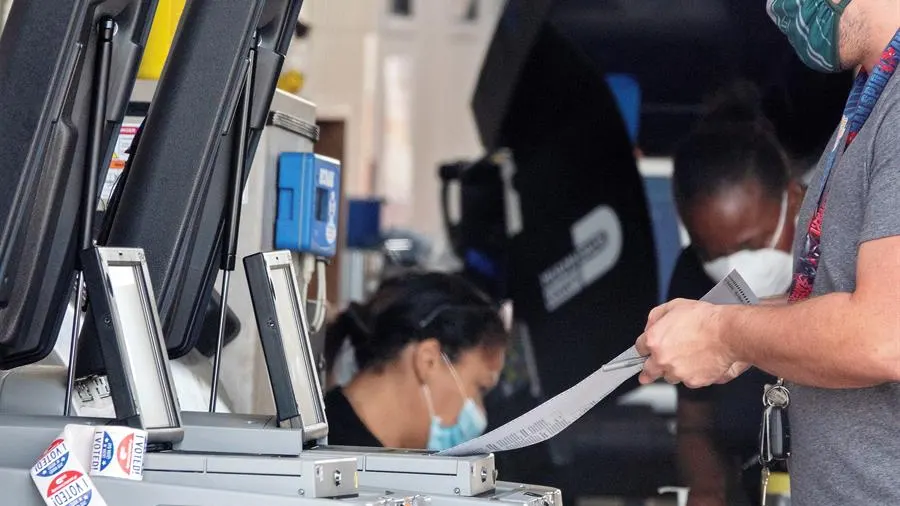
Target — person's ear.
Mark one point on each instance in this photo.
(427, 359)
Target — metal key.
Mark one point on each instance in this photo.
(765, 438)
(774, 432)
(775, 436)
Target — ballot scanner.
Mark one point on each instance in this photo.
(141, 385)
(131, 330)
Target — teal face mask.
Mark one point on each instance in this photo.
(812, 28)
(470, 423)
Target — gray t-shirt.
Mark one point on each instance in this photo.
(846, 443)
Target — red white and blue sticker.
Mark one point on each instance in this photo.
(53, 460)
(125, 453)
(118, 456)
(70, 488)
(103, 450)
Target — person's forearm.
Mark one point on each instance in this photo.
(833, 341)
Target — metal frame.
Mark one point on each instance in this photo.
(117, 325)
(282, 357)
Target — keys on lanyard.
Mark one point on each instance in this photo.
(774, 432)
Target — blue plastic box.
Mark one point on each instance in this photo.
(308, 204)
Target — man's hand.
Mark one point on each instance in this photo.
(733, 372)
(685, 340)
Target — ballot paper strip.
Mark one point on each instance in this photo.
(62, 474)
(553, 416)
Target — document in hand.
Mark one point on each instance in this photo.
(553, 416)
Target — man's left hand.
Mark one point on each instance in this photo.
(686, 343)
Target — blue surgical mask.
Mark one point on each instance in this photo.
(470, 423)
(812, 28)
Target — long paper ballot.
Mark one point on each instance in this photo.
(553, 416)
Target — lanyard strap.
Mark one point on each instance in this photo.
(866, 91)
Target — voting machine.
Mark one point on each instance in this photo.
(149, 280)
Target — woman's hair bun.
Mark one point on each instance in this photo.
(740, 102)
(356, 323)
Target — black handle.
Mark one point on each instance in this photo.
(240, 129)
(97, 147)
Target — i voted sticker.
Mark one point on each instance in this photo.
(60, 476)
(125, 454)
(70, 488)
(53, 459)
(103, 452)
(118, 452)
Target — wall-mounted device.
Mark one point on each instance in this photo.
(308, 204)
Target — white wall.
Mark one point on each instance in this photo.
(404, 85)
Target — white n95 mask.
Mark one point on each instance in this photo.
(768, 271)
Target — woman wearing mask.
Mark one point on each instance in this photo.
(427, 347)
(738, 201)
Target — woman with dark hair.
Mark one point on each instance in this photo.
(736, 195)
(427, 347)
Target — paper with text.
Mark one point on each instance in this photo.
(553, 416)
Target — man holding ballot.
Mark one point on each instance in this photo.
(835, 342)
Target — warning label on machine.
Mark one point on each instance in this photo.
(120, 155)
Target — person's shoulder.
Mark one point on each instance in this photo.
(886, 116)
(889, 101)
(345, 428)
(335, 396)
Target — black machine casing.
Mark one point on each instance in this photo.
(46, 81)
(572, 156)
(172, 201)
(542, 99)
